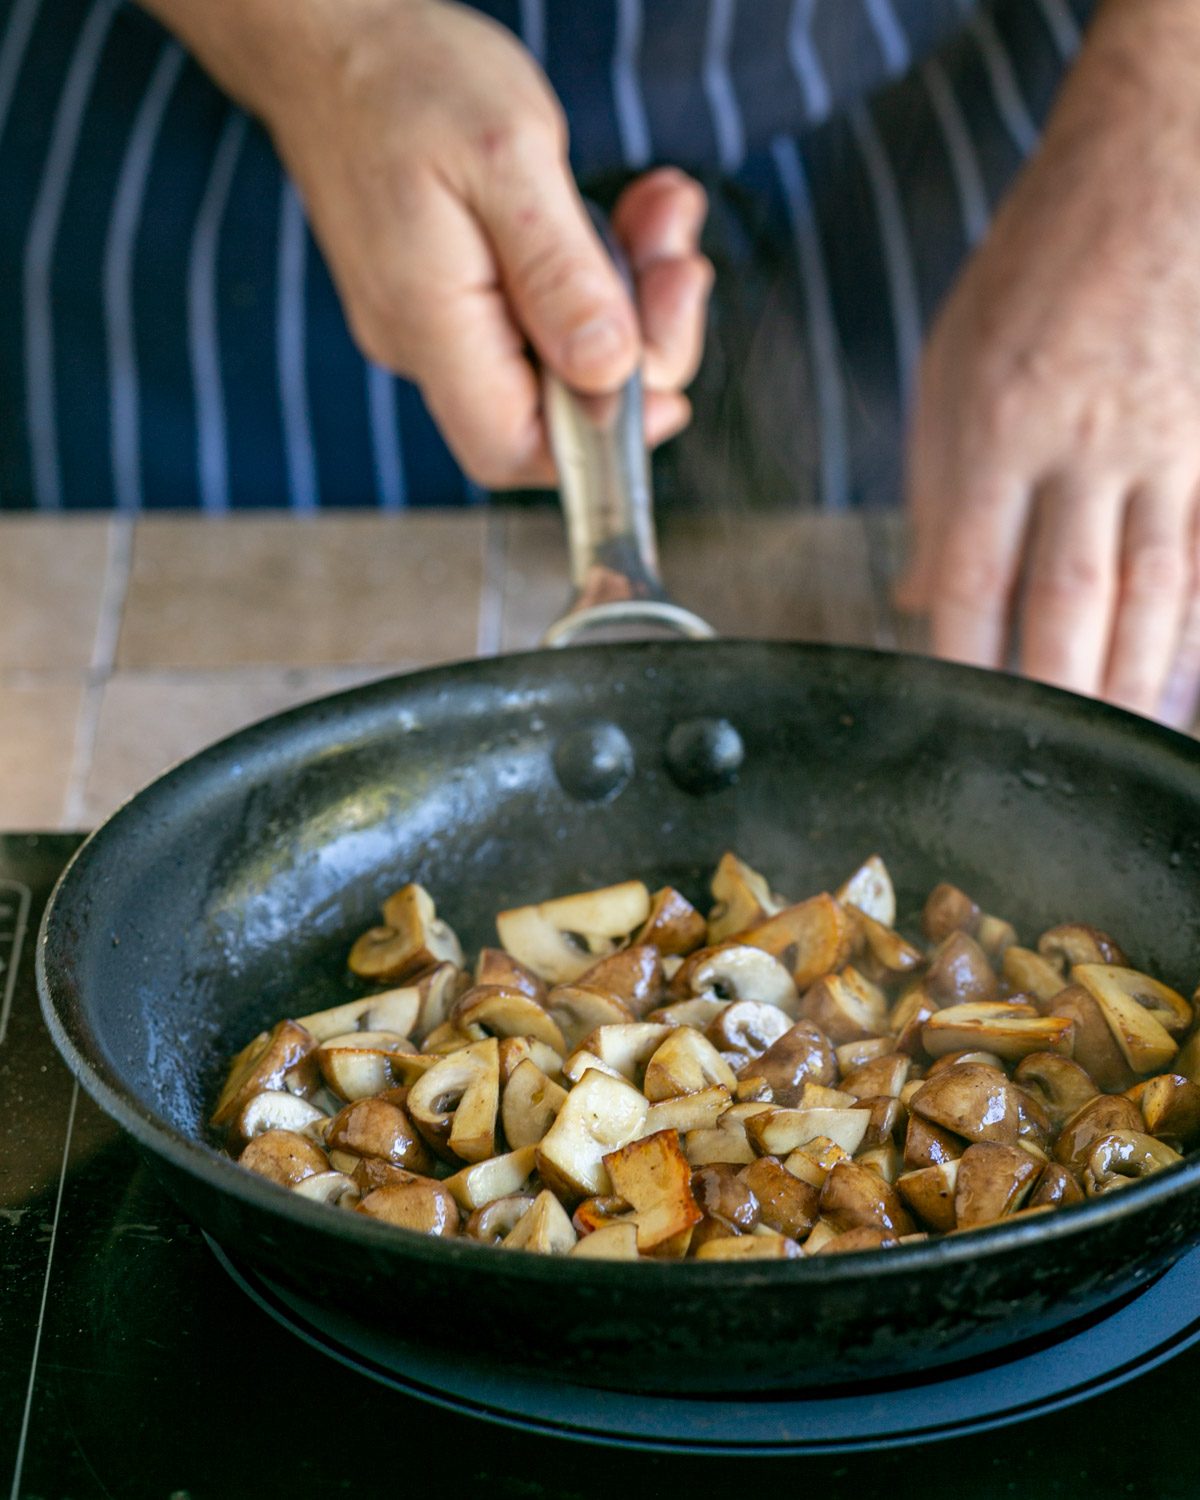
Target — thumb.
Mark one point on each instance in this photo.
(560, 280)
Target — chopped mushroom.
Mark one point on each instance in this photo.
(502, 1012)
(1120, 1158)
(599, 1115)
(870, 891)
(361, 1063)
(684, 1063)
(417, 1203)
(454, 1105)
(633, 975)
(812, 938)
(412, 939)
(1170, 1106)
(543, 1228)
(742, 898)
(654, 1178)
(674, 926)
(333, 1188)
(262, 1067)
(735, 971)
(1010, 1031)
(283, 1157)
(561, 939)
(275, 1110)
(992, 1182)
(529, 1105)
(609, 1242)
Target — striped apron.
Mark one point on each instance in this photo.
(170, 336)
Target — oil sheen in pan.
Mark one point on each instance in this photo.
(1144, 1331)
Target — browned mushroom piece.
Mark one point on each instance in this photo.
(779, 1132)
(887, 1115)
(1187, 1060)
(1073, 943)
(1030, 974)
(803, 1054)
(577, 1010)
(412, 939)
(724, 1196)
(1144, 1016)
(454, 1105)
(700, 1012)
(992, 1182)
(334, 1189)
(1170, 1106)
(501, 1176)
(1008, 1030)
(812, 938)
(870, 891)
(851, 1241)
(701, 1110)
(970, 1100)
(890, 955)
(684, 1063)
(748, 1027)
(594, 1213)
(529, 1105)
(396, 1011)
(959, 971)
(766, 1246)
(420, 1204)
(370, 1172)
(262, 1066)
(674, 926)
(514, 1050)
(654, 1177)
(274, 1109)
(561, 939)
(785, 1204)
(494, 966)
(929, 1193)
(611, 1242)
(954, 1060)
(449, 1038)
(1123, 1157)
(908, 1017)
(1099, 1116)
(283, 1157)
(1056, 1187)
(380, 1127)
(491, 1223)
(948, 910)
(742, 898)
(361, 1063)
(600, 1113)
(812, 1163)
(735, 971)
(634, 975)
(878, 1075)
(626, 1046)
(854, 1197)
(543, 1228)
(1059, 1085)
(845, 1006)
(1096, 1050)
(995, 936)
(503, 1012)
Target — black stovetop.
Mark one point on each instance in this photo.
(132, 1365)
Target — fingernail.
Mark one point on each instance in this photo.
(595, 343)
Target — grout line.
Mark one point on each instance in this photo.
(491, 594)
(37, 1339)
(104, 656)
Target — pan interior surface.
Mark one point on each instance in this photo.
(227, 894)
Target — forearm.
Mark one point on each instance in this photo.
(1136, 54)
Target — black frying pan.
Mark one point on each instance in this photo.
(227, 895)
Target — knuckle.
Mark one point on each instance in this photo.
(972, 579)
(1070, 582)
(1155, 568)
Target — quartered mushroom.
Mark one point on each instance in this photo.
(778, 1132)
(1096, 1049)
(947, 910)
(700, 1012)
(674, 926)
(854, 1197)
(803, 1054)
(684, 1063)
(454, 1105)
(609, 1242)
(529, 1105)
(562, 938)
(332, 1188)
(578, 1009)
(992, 1182)
(499, 1177)
(380, 1126)
(1123, 1157)
(870, 891)
(908, 1017)
(1144, 1016)
(1100, 1116)
(748, 1027)
(600, 1114)
(393, 1010)
(283, 1157)
(724, 1195)
(263, 1066)
(503, 1012)
(1059, 1084)
(785, 1203)
(544, 1228)
(627, 1047)
(358, 1064)
(276, 1110)
(1170, 1106)
(742, 898)
(930, 1192)
(412, 939)
(878, 1075)
(1056, 1187)
(654, 1178)
(497, 1219)
(735, 971)
(1074, 943)
(417, 1203)
(995, 936)
(928, 1145)
(959, 972)
(686, 1112)
(494, 966)
(1009, 1031)
(812, 938)
(846, 1006)
(514, 1050)
(973, 1101)
(633, 975)
(890, 954)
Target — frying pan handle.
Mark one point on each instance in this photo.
(604, 484)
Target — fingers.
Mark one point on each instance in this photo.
(974, 574)
(1071, 583)
(1155, 578)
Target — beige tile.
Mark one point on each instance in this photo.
(52, 573)
(148, 721)
(887, 543)
(535, 587)
(325, 591)
(39, 716)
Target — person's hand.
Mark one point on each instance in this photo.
(1055, 461)
(431, 156)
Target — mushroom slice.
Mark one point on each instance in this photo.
(504, 1012)
(609, 1242)
(1170, 1106)
(846, 1007)
(634, 975)
(687, 1112)
(684, 1064)
(928, 1145)
(803, 1054)
(817, 1096)
(655, 1179)
(725, 1195)
(707, 1148)
(543, 1228)
(879, 1075)
(1096, 1049)
(419, 1204)
(262, 1066)
(700, 1013)
(529, 1105)
(392, 1010)
(599, 1115)
(494, 966)
(947, 910)
(627, 1047)
(971, 1100)
(514, 1050)
(1031, 974)
(283, 1157)
(380, 1127)
(1059, 1085)
(768, 1246)
(892, 953)
(674, 926)
(360, 1063)
(908, 1017)
(1122, 1157)
(1076, 943)
(498, 1177)
(594, 1213)
(333, 1188)
(578, 1010)
(742, 898)
(813, 938)
(778, 1132)
(886, 1116)
(870, 891)
(369, 1172)
(1056, 1187)
(1144, 1016)
(454, 1105)
(747, 1026)
(853, 1197)
(736, 971)
(1009, 1031)
(959, 972)
(853, 1240)
(785, 1203)
(1099, 1116)
(561, 939)
(929, 1192)
(993, 1181)
(995, 936)
(448, 1038)
(273, 1110)
(491, 1223)
(814, 1162)
(884, 1160)
(411, 940)
(582, 1061)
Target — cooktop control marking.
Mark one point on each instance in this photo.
(15, 899)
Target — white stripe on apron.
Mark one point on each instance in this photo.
(291, 327)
